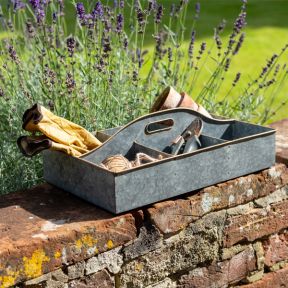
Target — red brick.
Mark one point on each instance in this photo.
(281, 140)
(221, 274)
(172, 216)
(54, 227)
(278, 279)
(255, 224)
(276, 249)
(100, 279)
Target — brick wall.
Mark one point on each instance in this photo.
(231, 234)
(234, 234)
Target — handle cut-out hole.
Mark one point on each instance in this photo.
(159, 126)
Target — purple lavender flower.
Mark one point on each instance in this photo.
(264, 71)
(35, 4)
(30, 29)
(170, 55)
(191, 44)
(231, 42)
(197, 9)
(267, 84)
(125, 43)
(135, 76)
(202, 48)
(237, 77)
(107, 25)
(106, 45)
(285, 48)
(152, 5)
(40, 15)
(121, 4)
(115, 3)
(13, 54)
(120, 21)
(139, 58)
(71, 44)
(218, 40)
(159, 14)
(54, 17)
(17, 5)
(70, 83)
(98, 11)
(271, 61)
(277, 68)
(227, 64)
(80, 10)
(239, 44)
(240, 22)
(101, 64)
(140, 19)
(221, 26)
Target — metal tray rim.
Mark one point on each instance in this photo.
(176, 157)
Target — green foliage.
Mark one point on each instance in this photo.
(99, 74)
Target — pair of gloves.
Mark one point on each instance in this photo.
(57, 134)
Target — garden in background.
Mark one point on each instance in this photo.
(101, 64)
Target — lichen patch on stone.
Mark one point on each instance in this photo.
(110, 244)
(33, 265)
(9, 279)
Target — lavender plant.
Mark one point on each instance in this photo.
(103, 76)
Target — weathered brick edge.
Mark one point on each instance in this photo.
(234, 233)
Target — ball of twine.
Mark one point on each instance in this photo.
(116, 163)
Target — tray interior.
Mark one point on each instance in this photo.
(154, 132)
(135, 148)
(132, 151)
(238, 130)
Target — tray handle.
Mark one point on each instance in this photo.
(159, 126)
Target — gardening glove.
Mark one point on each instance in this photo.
(59, 130)
(32, 145)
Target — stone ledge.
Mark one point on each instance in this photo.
(43, 228)
(38, 235)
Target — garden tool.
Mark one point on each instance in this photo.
(65, 133)
(188, 141)
(32, 145)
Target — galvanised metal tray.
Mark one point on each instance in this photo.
(230, 149)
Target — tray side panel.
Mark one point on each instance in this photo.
(80, 178)
(192, 172)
